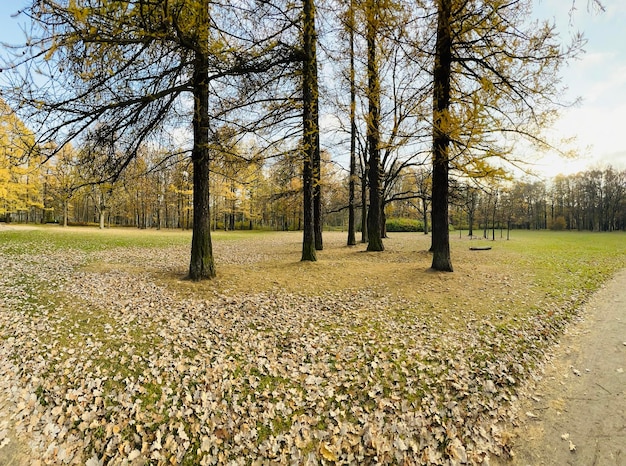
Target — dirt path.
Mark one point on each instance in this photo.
(578, 414)
(12, 453)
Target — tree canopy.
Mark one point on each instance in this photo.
(170, 77)
(129, 72)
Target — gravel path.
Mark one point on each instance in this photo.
(577, 415)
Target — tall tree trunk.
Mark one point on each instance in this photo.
(383, 222)
(158, 215)
(318, 221)
(352, 179)
(166, 220)
(364, 236)
(308, 237)
(374, 222)
(310, 129)
(493, 217)
(65, 211)
(202, 264)
(441, 139)
(233, 207)
(486, 218)
(425, 208)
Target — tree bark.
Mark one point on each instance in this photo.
(318, 221)
(202, 264)
(383, 221)
(351, 181)
(364, 236)
(374, 222)
(493, 217)
(425, 208)
(310, 130)
(441, 139)
(308, 237)
(65, 211)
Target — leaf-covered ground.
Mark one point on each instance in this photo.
(108, 358)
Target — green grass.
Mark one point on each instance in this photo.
(91, 239)
(568, 263)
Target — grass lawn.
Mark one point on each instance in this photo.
(357, 358)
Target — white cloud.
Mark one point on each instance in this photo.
(617, 160)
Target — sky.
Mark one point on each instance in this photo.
(598, 79)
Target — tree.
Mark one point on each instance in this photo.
(470, 203)
(374, 213)
(202, 264)
(98, 150)
(350, 26)
(133, 67)
(391, 93)
(614, 197)
(283, 197)
(236, 169)
(20, 187)
(441, 138)
(423, 182)
(311, 148)
(495, 79)
(65, 179)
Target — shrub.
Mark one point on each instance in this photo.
(404, 224)
(558, 224)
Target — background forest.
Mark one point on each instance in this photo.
(156, 192)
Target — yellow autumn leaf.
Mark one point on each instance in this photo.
(327, 453)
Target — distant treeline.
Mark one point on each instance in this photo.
(269, 197)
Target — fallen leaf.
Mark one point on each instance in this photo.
(565, 436)
(572, 447)
(327, 453)
(222, 434)
(93, 461)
